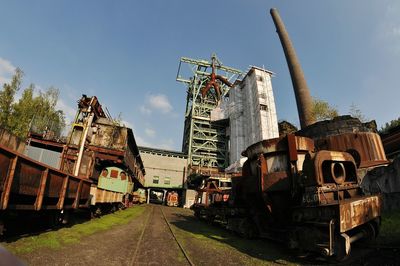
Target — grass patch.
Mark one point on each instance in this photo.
(221, 241)
(390, 228)
(72, 235)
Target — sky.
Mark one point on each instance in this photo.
(127, 54)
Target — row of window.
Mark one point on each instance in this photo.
(156, 180)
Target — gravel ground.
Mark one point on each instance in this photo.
(147, 240)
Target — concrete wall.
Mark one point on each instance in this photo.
(164, 167)
(385, 180)
(252, 112)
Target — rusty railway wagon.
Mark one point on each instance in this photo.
(99, 168)
(303, 188)
(28, 186)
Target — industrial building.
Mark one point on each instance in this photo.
(165, 171)
(226, 111)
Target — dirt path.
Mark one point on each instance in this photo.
(158, 246)
(147, 240)
(111, 247)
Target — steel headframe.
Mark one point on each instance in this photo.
(208, 84)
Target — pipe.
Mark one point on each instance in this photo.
(301, 91)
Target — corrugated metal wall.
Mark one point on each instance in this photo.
(48, 157)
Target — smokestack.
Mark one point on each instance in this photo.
(301, 91)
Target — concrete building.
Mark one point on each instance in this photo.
(165, 171)
(251, 113)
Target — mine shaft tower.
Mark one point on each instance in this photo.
(205, 142)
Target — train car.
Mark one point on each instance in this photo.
(30, 188)
(99, 167)
(172, 199)
(139, 196)
(105, 152)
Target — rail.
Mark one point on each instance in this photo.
(141, 238)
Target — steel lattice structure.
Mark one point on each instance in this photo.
(204, 141)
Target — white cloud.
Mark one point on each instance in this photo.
(68, 110)
(156, 102)
(160, 102)
(127, 124)
(142, 142)
(144, 110)
(7, 69)
(150, 132)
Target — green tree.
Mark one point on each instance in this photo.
(32, 112)
(7, 96)
(23, 113)
(390, 125)
(46, 117)
(321, 110)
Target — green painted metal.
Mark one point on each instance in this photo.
(111, 179)
(205, 142)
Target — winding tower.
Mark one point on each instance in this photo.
(205, 142)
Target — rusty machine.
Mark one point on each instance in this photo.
(105, 152)
(303, 188)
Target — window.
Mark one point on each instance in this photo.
(123, 175)
(167, 181)
(114, 174)
(155, 179)
(263, 107)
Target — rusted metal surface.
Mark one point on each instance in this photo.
(391, 142)
(330, 167)
(10, 141)
(301, 91)
(302, 144)
(91, 102)
(212, 83)
(365, 147)
(106, 144)
(358, 211)
(100, 195)
(30, 185)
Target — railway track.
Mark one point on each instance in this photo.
(158, 243)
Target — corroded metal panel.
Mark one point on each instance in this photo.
(358, 211)
(10, 141)
(278, 145)
(104, 196)
(109, 136)
(365, 145)
(28, 184)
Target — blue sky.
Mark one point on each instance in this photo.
(127, 53)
